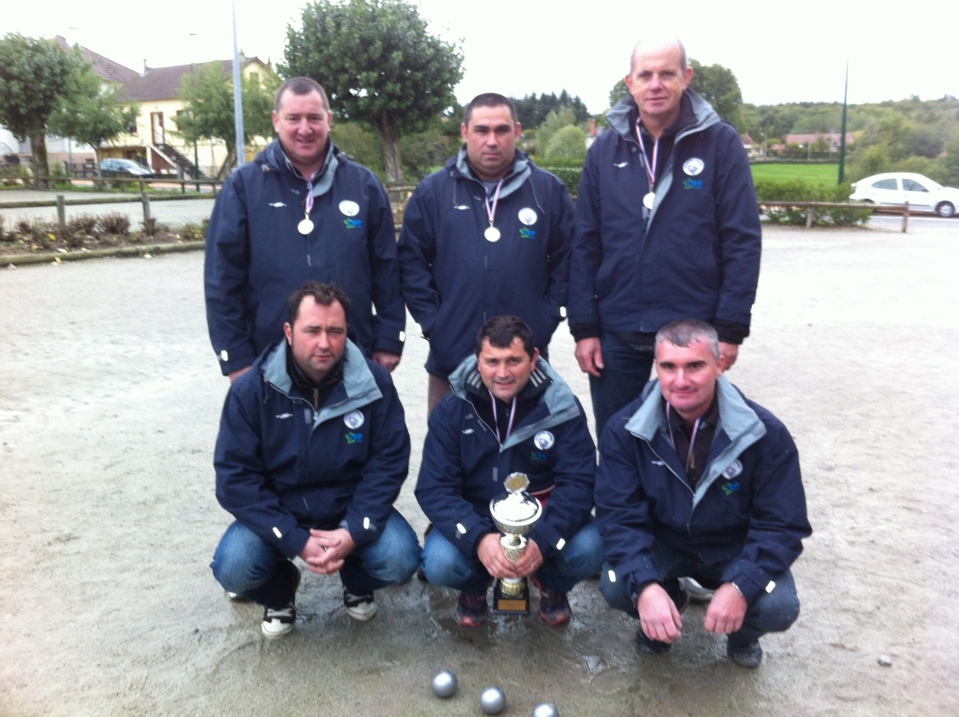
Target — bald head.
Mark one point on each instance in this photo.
(657, 43)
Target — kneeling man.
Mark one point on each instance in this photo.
(311, 454)
(509, 411)
(696, 480)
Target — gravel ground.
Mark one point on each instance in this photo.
(109, 403)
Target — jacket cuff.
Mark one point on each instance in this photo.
(730, 332)
(233, 359)
(749, 578)
(585, 331)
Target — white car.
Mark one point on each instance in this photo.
(923, 194)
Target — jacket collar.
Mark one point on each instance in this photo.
(558, 401)
(622, 116)
(519, 173)
(357, 389)
(274, 158)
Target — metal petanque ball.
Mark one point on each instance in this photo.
(444, 684)
(545, 709)
(493, 700)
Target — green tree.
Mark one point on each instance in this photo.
(554, 122)
(619, 91)
(718, 86)
(34, 75)
(378, 64)
(89, 112)
(568, 143)
(208, 114)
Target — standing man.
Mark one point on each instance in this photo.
(486, 235)
(301, 211)
(311, 455)
(696, 480)
(667, 227)
(509, 411)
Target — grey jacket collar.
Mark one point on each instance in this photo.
(737, 421)
(513, 180)
(558, 398)
(324, 180)
(358, 381)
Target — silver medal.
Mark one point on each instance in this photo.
(649, 199)
(305, 226)
(492, 234)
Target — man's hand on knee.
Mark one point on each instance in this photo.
(658, 614)
(726, 610)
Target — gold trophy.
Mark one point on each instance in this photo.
(514, 513)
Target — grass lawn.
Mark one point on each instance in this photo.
(811, 173)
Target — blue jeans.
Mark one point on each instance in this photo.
(626, 371)
(770, 612)
(445, 564)
(254, 569)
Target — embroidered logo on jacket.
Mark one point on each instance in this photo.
(525, 233)
(353, 223)
(692, 184)
(353, 438)
(731, 487)
(538, 456)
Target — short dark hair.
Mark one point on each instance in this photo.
(324, 294)
(488, 99)
(684, 332)
(500, 332)
(300, 86)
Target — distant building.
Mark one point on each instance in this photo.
(832, 140)
(153, 140)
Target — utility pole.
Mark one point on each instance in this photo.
(842, 138)
(237, 97)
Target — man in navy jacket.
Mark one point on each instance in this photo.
(312, 452)
(667, 227)
(508, 411)
(695, 480)
(301, 211)
(488, 234)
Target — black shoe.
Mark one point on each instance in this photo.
(748, 655)
(646, 646)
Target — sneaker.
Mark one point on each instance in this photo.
(697, 593)
(278, 622)
(470, 610)
(748, 655)
(359, 607)
(553, 606)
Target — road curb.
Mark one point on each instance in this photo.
(121, 251)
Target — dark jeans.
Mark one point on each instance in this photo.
(626, 371)
(770, 612)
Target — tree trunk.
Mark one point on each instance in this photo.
(227, 163)
(41, 168)
(391, 151)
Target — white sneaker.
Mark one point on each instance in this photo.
(697, 593)
(359, 607)
(278, 622)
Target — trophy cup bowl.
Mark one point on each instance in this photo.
(514, 513)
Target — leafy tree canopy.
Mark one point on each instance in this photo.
(208, 112)
(89, 112)
(379, 64)
(568, 143)
(718, 86)
(532, 109)
(33, 76)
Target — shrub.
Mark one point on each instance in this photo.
(799, 191)
(194, 232)
(567, 143)
(83, 224)
(115, 223)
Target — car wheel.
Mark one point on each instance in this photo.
(945, 209)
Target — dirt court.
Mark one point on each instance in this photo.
(109, 404)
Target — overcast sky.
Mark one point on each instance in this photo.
(779, 52)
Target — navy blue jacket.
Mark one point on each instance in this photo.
(464, 464)
(283, 467)
(697, 255)
(453, 279)
(748, 511)
(256, 258)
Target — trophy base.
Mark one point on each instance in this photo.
(511, 604)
